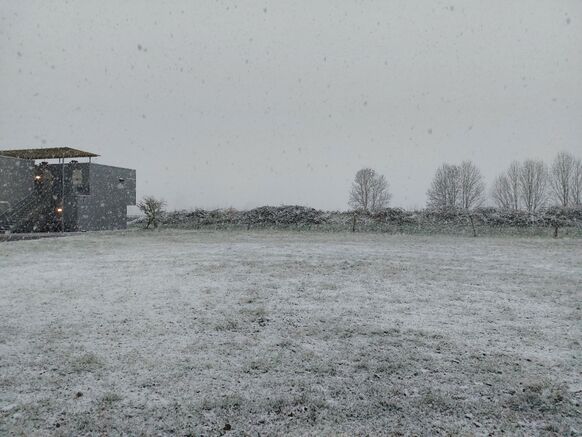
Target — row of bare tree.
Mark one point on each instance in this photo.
(529, 185)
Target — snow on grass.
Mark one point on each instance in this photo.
(215, 333)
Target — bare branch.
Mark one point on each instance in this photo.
(533, 185)
(472, 188)
(370, 191)
(576, 192)
(562, 178)
(506, 188)
(456, 186)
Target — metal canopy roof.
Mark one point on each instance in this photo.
(47, 153)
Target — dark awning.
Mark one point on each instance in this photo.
(47, 153)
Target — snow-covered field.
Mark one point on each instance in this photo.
(189, 333)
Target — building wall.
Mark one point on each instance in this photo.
(71, 190)
(111, 190)
(16, 180)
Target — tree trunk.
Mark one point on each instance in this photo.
(354, 223)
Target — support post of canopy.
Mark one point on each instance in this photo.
(63, 195)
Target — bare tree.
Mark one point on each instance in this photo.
(501, 192)
(472, 188)
(380, 193)
(506, 188)
(444, 191)
(456, 186)
(153, 209)
(576, 192)
(361, 187)
(533, 185)
(369, 191)
(562, 178)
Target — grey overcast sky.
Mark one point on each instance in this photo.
(243, 103)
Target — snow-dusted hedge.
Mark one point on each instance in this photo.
(389, 219)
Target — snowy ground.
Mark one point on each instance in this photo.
(208, 333)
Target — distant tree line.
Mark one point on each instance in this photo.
(526, 194)
(528, 186)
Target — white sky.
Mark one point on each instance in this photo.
(224, 103)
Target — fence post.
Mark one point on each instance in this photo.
(473, 225)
